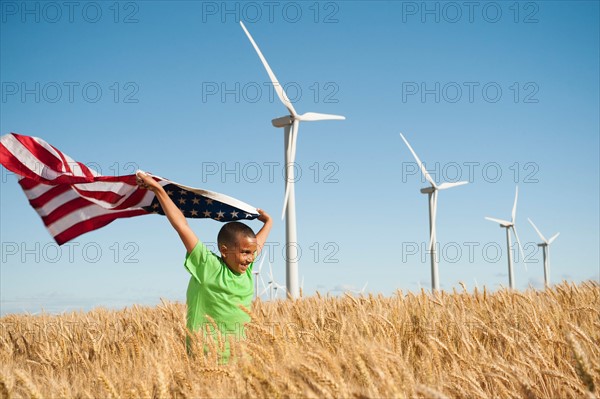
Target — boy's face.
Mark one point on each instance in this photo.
(239, 256)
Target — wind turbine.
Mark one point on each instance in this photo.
(272, 286)
(257, 275)
(349, 289)
(432, 191)
(290, 124)
(361, 291)
(546, 251)
(508, 226)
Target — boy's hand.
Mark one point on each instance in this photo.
(145, 181)
(171, 211)
(264, 216)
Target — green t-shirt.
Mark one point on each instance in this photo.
(216, 291)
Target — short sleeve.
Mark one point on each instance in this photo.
(200, 262)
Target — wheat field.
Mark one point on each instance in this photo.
(502, 344)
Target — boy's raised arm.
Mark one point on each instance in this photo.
(178, 221)
(263, 233)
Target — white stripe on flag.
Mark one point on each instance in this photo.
(121, 188)
(56, 202)
(51, 150)
(78, 216)
(37, 191)
(27, 159)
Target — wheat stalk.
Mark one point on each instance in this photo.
(32, 390)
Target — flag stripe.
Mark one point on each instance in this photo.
(34, 158)
(49, 195)
(27, 184)
(10, 149)
(108, 197)
(74, 215)
(53, 158)
(136, 199)
(49, 207)
(63, 210)
(35, 191)
(44, 154)
(95, 223)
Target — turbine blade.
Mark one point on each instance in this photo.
(313, 116)
(291, 160)
(423, 170)
(553, 238)
(364, 288)
(280, 288)
(504, 223)
(444, 186)
(514, 210)
(263, 284)
(538, 231)
(261, 262)
(266, 289)
(278, 88)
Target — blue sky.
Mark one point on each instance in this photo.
(497, 93)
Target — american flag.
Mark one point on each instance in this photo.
(73, 199)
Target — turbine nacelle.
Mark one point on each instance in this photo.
(503, 223)
(443, 186)
(545, 242)
(283, 121)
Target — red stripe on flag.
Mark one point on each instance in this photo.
(106, 196)
(12, 163)
(41, 153)
(65, 209)
(84, 169)
(133, 200)
(128, 179)
(94, 223)
(49, 195)
(27, 183)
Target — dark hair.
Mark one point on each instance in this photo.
(230, 232)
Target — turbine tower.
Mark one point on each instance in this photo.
(432, 192)
(508, 226)
(545, 244)
(290, 124)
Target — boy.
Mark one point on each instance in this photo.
(218, 285)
